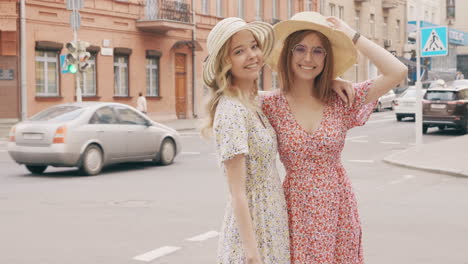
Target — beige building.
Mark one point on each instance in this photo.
(153, 46)
(383, 21)
(453, 15)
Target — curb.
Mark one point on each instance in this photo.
(456, 173)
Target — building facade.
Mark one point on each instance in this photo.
(453, 15)
(156, 47)
(382, 21)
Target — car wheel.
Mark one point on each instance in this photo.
(167, 152)
(92, 161)
(424, 129)
(464, 130)
(36, 169)
(379, 107)
(399, 118)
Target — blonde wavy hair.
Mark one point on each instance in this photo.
(222, 85)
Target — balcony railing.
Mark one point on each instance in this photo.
(176, 11)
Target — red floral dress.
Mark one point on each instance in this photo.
(324, 223)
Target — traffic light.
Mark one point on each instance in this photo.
(72, 57)
(83, 56)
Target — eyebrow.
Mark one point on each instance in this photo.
(253, 41)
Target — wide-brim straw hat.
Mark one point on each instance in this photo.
(344, 51)
(224, 30)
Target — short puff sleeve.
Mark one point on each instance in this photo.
(230, 129)
(359, 112)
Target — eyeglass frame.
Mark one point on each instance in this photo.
(311, 50)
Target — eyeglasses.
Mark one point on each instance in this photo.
(300, 51)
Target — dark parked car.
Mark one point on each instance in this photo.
(446, 106)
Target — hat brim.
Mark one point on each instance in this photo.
(344, 52)
(262, 31)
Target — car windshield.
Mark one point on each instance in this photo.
(440, 95)
(58, 113)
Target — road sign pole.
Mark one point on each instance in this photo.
(75, 38)
(418, 114)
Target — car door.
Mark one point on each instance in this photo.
(140, 135)
(110, 134)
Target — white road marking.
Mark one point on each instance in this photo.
(157, 253)
(390, 143)
(204, 236)
(405, 178)
(352, 138)
(362, 161)
(380, 121)
(190, 153)
(360, 141)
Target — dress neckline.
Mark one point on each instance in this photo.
(299, 126)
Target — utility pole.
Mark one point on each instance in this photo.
(24, 89)
(75, 21)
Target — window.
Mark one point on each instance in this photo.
(274, 80)
(104, 115)
(397, 29)
(332, 9)
(129, 117)
(260, 80)
(205, 6)
(357, 20)
(120, 75)
(152, 76)
(240, 8)
(341, 12)
(47, 73)
(88, 80)
(290, 8)
(385, 28)
(58, 113)
(274, 9)
(219, 8)
(309, 5)
(372, 26)
(258, 9)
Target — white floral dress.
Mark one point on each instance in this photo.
(238, 130)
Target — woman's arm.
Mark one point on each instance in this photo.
(236, 174)
(393, 71)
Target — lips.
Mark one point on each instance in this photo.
(307, 68)
(251, 66)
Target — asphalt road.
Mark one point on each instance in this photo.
(140, 213)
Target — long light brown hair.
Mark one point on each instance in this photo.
(322, 83)
(222, 85)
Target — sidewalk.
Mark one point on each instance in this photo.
(446, 156)
(182, 124)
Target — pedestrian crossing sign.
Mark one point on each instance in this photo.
(434, 41)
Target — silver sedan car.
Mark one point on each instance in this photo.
(90, 136)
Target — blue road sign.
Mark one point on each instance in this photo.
(434, 41)
(63, 64)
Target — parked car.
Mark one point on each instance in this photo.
(89, 136)
(385, 101)
(446, 106)
(405, 104)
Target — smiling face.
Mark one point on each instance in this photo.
(308, 58)
(246, 56)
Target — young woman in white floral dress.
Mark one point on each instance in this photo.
(255, 226)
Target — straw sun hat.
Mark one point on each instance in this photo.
(344, 52)
(224, 30)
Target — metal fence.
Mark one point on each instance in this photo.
(179, 11)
